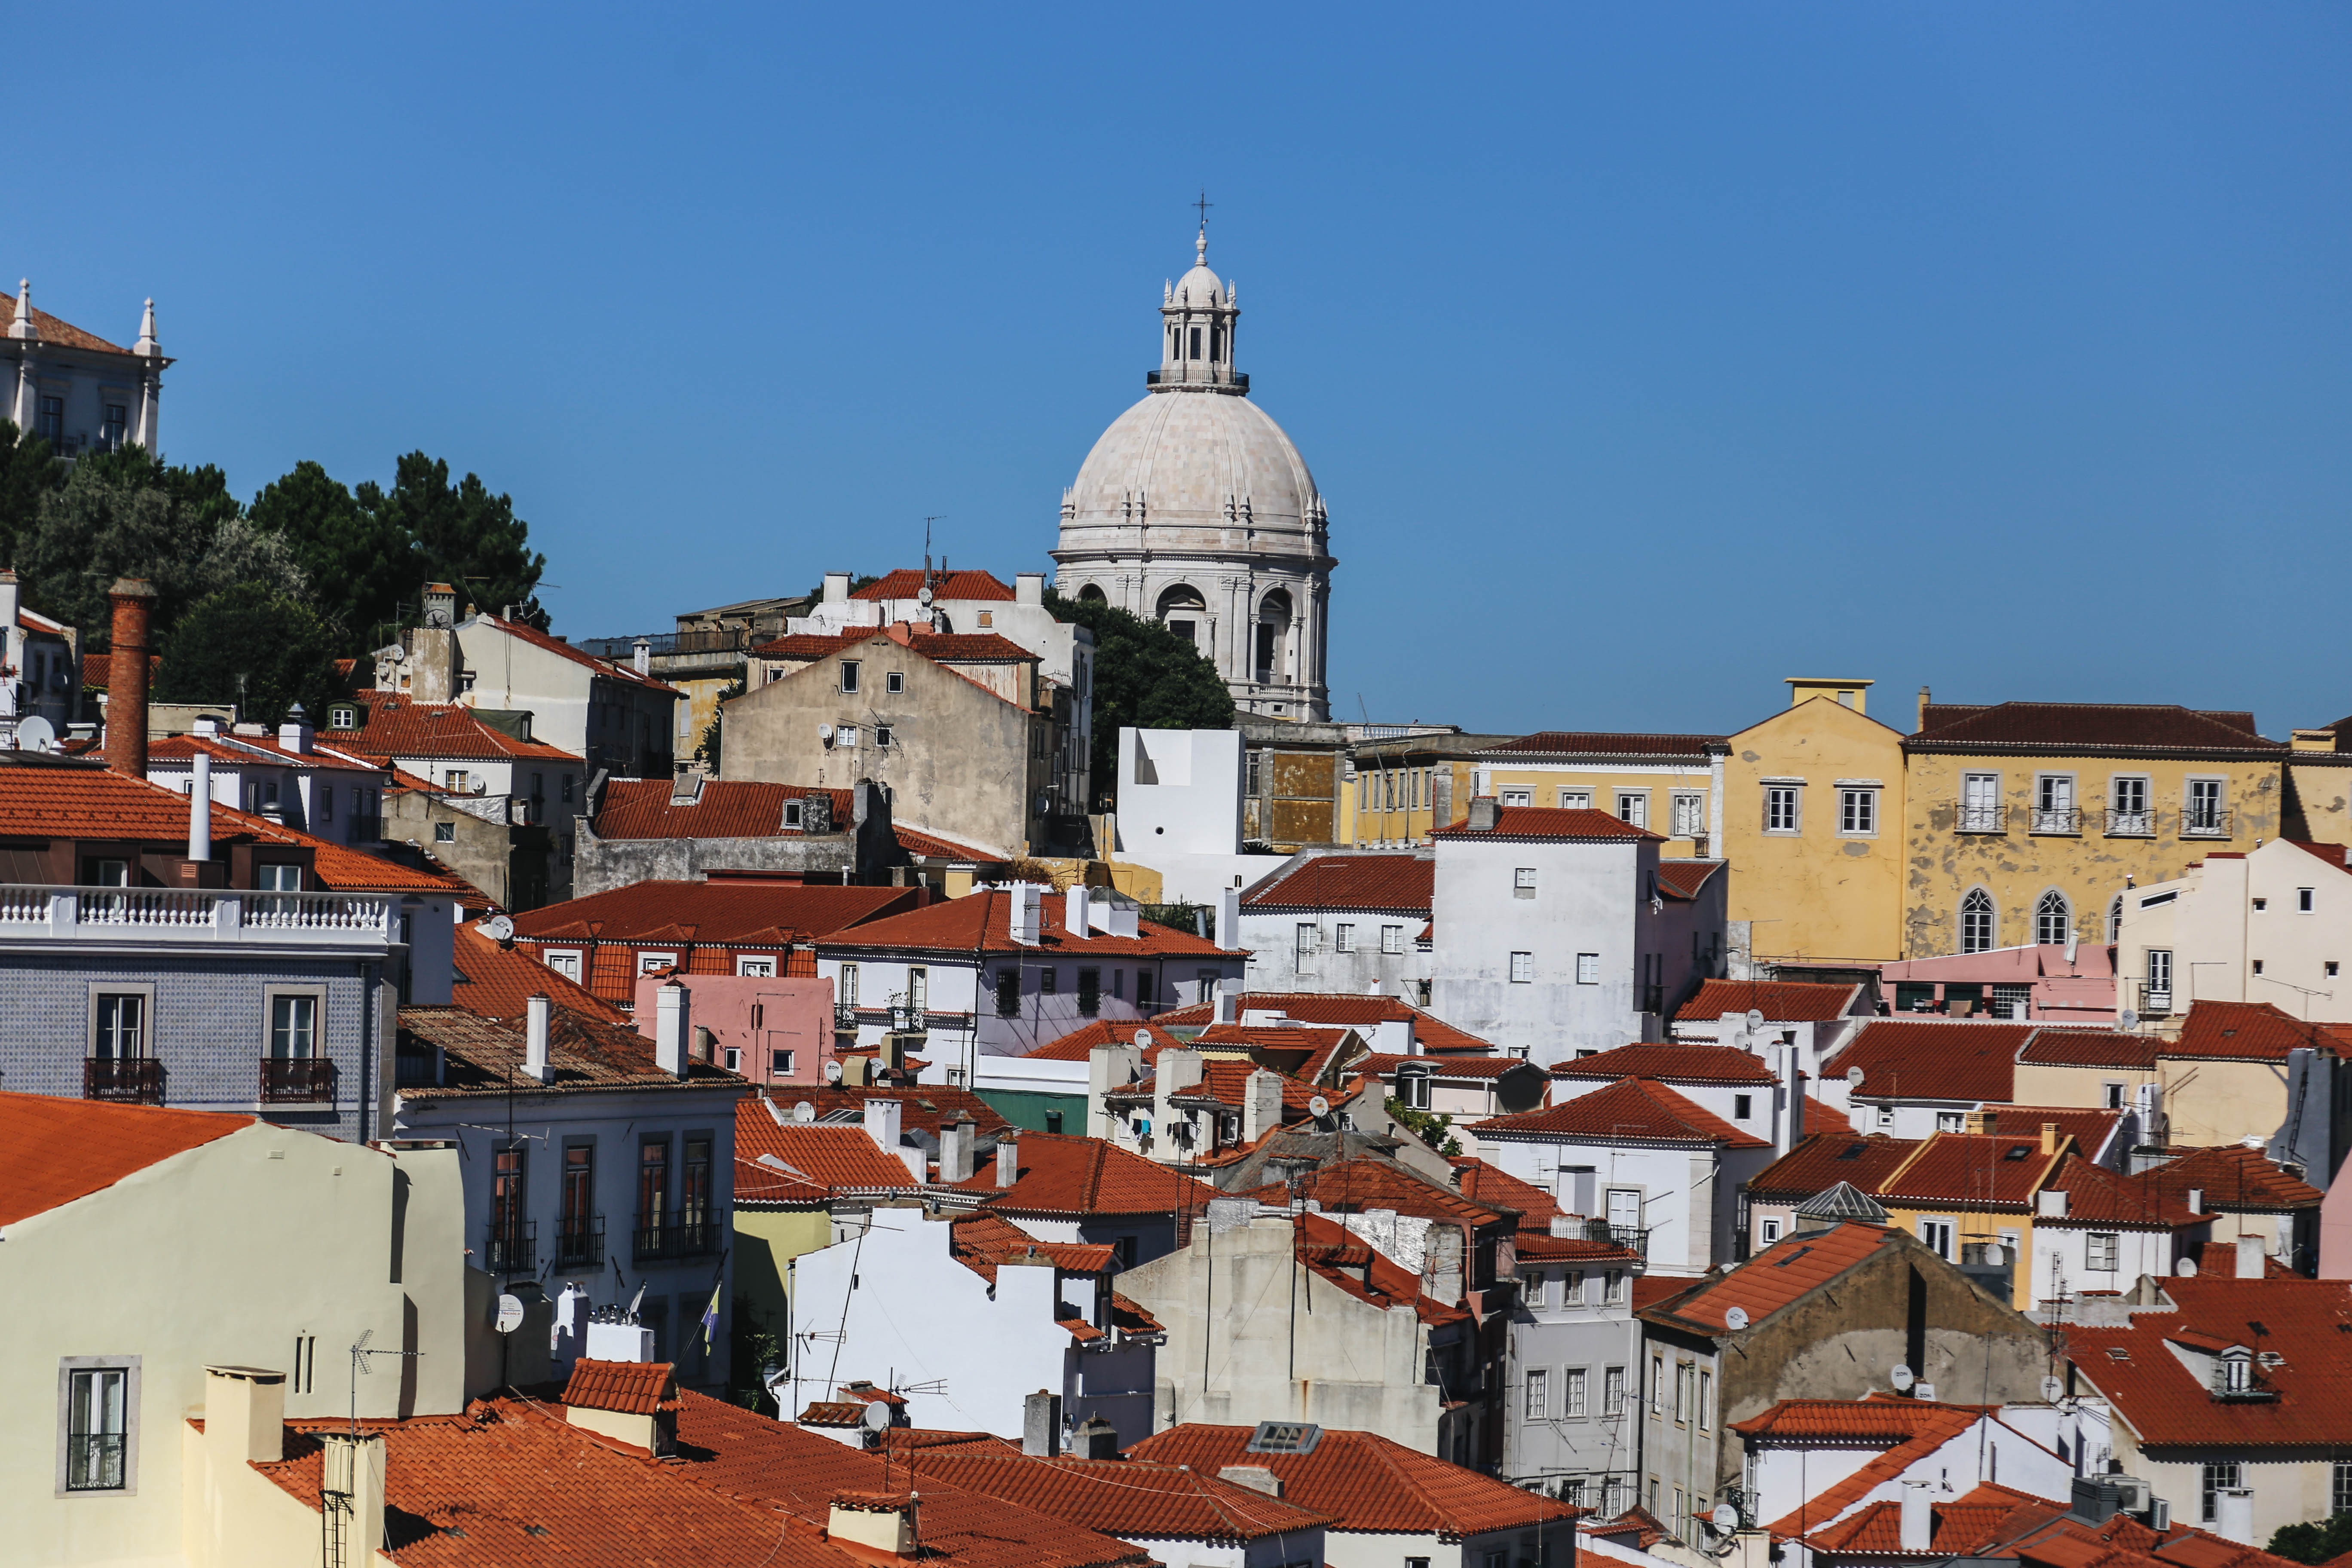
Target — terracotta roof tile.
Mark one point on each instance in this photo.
(1128, 1498)
(394, 726)
(983, 1241)
(1979, 1519)
(921, 1107)
(1079, 1044)
(2099, 1195)
(484, 1056)
(1431, 1033)
(2091, 1129)
(1630, 1110)
(1458, 1068)
(712, 912)
(907, 580)
(931, 846)
(1496, 1188)
(1396, 884)
(1780, 1001)
(631, 1388)
(251, 750)
(547, 643)
(54, 1151)
(498, 982)
(62, 334)
(1548, 822)
(1967, 1170)
(2090, 1048)
(1683, 879)
(726, 808)
(2233, 1179)
(2100, 726)
(1773, 1279)
(1365, 1483)
(2243, 1031)
(1354, 1186)
(981, 922)
(1669, 1063)
(1061, 1175)
(818, 1161)
(1918, 1058)
(814, 645)
(1586, 743)
(2305, 1323)
(1821, 1160)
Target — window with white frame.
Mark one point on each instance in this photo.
(1523, 968)
(2228, 1475)
(751, 968)
(1573, 1289)
(1634, 806)
(1784, 808)
(1343, 937)
(1977, 921)
(1951, 1121)
(2127, 813)
(845, 985)
(1518, 797)
(2054, 803)
(2053, 920)
(1858, 813)
(2339, 1489)
(1538, 1288)
(1538, 1390)
(1575, 800)
(2100, 1249)
(652, 963)
(2201, 808)
(1935, 1234)
(1571, 1392)
(1613, 1288)
(567, 964)
(1392, 939)
(1768, 1231)
(1613, 1391)
(2304, 901)
(1523, 883)
(849, 677)
(98, 1424)
(1588, 968)
(1306, 940)
(1979, 809)
(1690, 815)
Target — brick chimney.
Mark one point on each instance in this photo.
(126, 678)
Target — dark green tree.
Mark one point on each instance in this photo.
(254, 646)
(1145, 675)
(461, 534)
(361, 564)
(2317, 1542)
(28, 470)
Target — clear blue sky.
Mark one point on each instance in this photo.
(1646, 354)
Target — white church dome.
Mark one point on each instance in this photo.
(1196, 459)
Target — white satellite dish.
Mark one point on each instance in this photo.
(1735, 1318)
(804, 1111)
(1725, 1518)
(876, 1416)
(497, 928)
(2186, 1269)
(923, 597)
(509, 1313)
(1993, 1255)
(1901, 1376)
(833, 1072)
(1755, 1019)
(825, 733)
(1142, 1039)
(1854, 1078)
(2128, 1018)
(36, 735)
(2052, 1389)
(1319, 1105)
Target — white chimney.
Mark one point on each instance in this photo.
(2050, 1205)
(200, 809)
(670, 1029)
(535, 1064)
(353, 1464)
(294, 734)
(2196, 1200)
(8, 598)
(1027, 912)
(836, 587)
(1029, 588)
(1075, 904)
(643, 659)
(956, 1140)
(1917, 1525)
(882, 1124)
(1791, 1128)
(1261, 1105)
(1229, 918)
(1008, 1161)
(2233, 1514)
(619, 1341)
(2251, 1261)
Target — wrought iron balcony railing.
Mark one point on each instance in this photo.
(2205, 822)
(579, 1240)
(660, 1236)
(514, 1247)
(2138, 823)
(134, 1080)
(296, 1081)
(1969, 818)
(2057, 819)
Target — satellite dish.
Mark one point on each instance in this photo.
(1755, 1019)
(1725, 1518)
(804, 1111)
(1901, 1376)
(876, 1416)
(2052, 1389)
(1735, 1318)
(833, 1072)
(2128, 1018)
(497, 928)
(825, 733)
(2186, 1269)
(923, 596)
(36, 735)
(1142, 1039)
(1994, 1254)
(509, 1313)
(1854, 1078)
(1319, 1105)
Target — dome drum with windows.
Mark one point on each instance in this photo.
(1194, 508)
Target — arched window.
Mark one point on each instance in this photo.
(1091, 595)
(1273, 636)
(2115, 920)
(1976, 922)
(2053, 922)
(1180, 609)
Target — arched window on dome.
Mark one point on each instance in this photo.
(1091, 595)
(1182, 610)
(2053, 920)
(1273, 638)
(1977, 921)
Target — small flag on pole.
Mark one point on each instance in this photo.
(710, 1315)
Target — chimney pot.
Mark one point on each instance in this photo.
(956, 1151)
(1918, 1522)
(883, 1120)
(1229, 918)
(1097, 1439)
(670, 1004)
(1008, 1161)
(2196, 1200)
(1077, 910)
(200, 808)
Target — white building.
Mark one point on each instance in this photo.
(1195, 509)
(1178, 811)
(2273, 924)
(286, 776)
(1347, 922)
(1559, 930)
(40, 667)
(615, 717)
(75, 390)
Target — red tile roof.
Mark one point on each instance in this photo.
(62, 334)
(394, 726)
(1300, 1051)
(726, 808)
(1669, 1063)
(1780, 1001)
(1063, 1176)
(1079, 1044)
(907, 580)
(815, 645)
(817, 1160)
(931, 846)
(2243, 1031)
(485, 1057)
(2233, 1179)
(1631, 1110)
(1919, 1058)
(1544, 822)
(1496, 1188)
(1586, 743)
(1775, 1277)
(924, 1107)
(2089, 1129)
(1431, 1033)
(631, 1388)
(1354, 1186)
(1226, 1083)
(1131, 1498)
(1394, 884)
(2090, 1048)
(1683, 879)
(1877, 1417)
(983, 1241)
(1365, 1483)
(981, 922)
(1461, 1069)
(2103, 727)
(2305, 1323)
(1982, 1517)
(498, 982)
(2099, 1195)
(547, 643)
(54, 1151)
(1969, 1170)
(1823, 1159)
(722, 911)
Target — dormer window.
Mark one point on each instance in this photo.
(2237, 1371)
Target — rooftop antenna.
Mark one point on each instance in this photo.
(360, 1353)
(926, 554)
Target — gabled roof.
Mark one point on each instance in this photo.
(1460, 1070)
(931, 846)
(1355, 1187)
(497, 983)
(2306, 1323)
(765, 913)
(394, 726)
(249, 751)
(1970, 1170)
(1392, 884)
(1079, 1044)
(1982, 1517)
(63, 334)
(981, 922)
(2103, 727)
(1669, 1063)
(483, 1056)
(53, 1151)
(2090, 1130)
(1549, 823)
(1821, 1160)
(1921, 1058)
(1631, 1110)
(1431, 1033)
(1496, 1188)
(2096, 1195)
(2090, 1048)
(1311, 1054)
(1775, 1277)
(547, 643)
(1683, 879)
(726, 808)
(1067, 1176)
(907, 580)
(2233, 1179)
(1130, 1499)
(2243, 1031)
(796, 1161)
(1588, 743)
(1780, 1001)
(1365, 1483)
(631, 1388)
(983, 1241)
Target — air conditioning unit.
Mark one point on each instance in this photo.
(2159, 1514)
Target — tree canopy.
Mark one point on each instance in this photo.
(1145, 676)
(250, 645)
(458, 533)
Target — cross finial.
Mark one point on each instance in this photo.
(1204, 203)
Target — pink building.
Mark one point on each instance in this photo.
(2051, 983)
(769, 1029)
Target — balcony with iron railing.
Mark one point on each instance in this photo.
(2204, 821)
(1634, 1239)
(94, 1461)
(193, 916)
(579, 1240)
(1969, 817)
(296, 1081)
(514, 1247)
(2154, 1001)
(661, 1237)
(131, 1080)
(2057, 819)
(844, 1017)
(2140, 824)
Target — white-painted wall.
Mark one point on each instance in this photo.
(1180, 793)
(1686, 1192)
(2207, 920)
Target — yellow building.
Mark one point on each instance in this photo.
(1669, 783)
(1813, 800)
(1399, 789)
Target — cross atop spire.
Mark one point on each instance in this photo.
(1201, 246)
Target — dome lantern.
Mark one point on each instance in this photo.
(1196, 339)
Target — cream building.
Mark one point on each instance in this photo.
(2272, 923)
(1195, 509)
(143, 1244)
